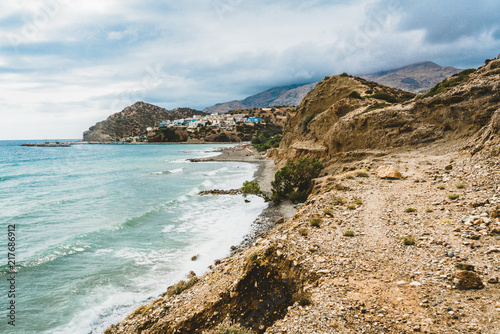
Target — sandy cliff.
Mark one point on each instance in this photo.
(459, 108)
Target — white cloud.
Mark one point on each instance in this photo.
(90, 59)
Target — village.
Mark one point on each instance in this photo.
(233, 126)
(221, 121)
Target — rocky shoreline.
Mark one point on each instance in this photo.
(301, 277)
(271, 216)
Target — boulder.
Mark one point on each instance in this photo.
(388, 172)
(466, 280)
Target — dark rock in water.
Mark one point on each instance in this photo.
(216, 192)
(466, 280)
(247, 201)
(194, 257)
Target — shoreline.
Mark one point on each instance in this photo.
(264, 174)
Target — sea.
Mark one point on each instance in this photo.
(102, 229)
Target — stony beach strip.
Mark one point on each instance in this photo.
(364, 254)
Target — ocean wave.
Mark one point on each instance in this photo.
(168, 172)
(51, 256)
(178, 161)
(175, 171)
(165, 172)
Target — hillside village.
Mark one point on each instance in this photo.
(224, 121)
(235, 126)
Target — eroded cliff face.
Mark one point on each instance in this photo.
(465, 105)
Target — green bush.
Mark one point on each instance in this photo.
(293, 181)
(446, 84)
(349, 233)
(355, 95)
(409, 241)
(303, 298)
(181, 286)
(253, 188)
(376, 106)
(315, 222)
(263, 141)
(384, 96)
(305, 121)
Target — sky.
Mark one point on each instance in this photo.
(67, 64)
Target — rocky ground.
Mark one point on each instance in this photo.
(362, 255)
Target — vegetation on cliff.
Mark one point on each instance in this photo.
(133, 122)
(293, 181)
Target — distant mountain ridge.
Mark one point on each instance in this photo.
(278, 96)
(416, 78)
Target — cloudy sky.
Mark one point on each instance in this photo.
(66, 64)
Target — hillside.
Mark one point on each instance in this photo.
(133, 121)
(273, 122)
(278, 96)
(416, 78)
(415, 251)
(338, 125)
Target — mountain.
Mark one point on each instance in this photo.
(339, 117)
(133, 121)
(416, 78)
(278, 96)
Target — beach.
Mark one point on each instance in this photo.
(263, 176)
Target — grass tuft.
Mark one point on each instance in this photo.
(315, 222)
(303, 299)
(349, 233)
(304, 232)
(408, 241)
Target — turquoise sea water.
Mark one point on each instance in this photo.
(102, 228)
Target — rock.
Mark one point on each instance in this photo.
(448, 167)
(194, 257)
(415, 283)
(464, 266)
(388, 172)
(466, 280)
(493, 250)
(495, 213)
(493, 280)
(280, 220)
(450, 254)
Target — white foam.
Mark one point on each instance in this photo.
(176, 171)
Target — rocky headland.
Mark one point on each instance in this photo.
(133, 121)
(401, 234)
